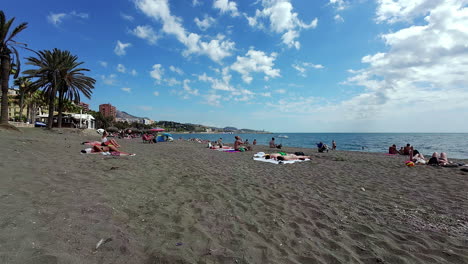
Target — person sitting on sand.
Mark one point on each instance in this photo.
(407, 149)
(220, 142)
(254, 142)
(392, 150)
(322, 147)
(246, 142)
(273, 144)
(434, 160)
(401, 151)
(238, 143)
(106, 142)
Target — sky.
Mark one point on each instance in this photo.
(275, 65)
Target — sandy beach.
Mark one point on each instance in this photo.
(180, 202)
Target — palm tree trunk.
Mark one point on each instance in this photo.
(60, 108)
(50, 119)
(21, 104)
(5, 75)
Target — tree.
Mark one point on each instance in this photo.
(23, 84)
(56, 71)
(8, 54)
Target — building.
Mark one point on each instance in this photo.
(13, 104)
(85, 106)
(147, 121)
(108, 110)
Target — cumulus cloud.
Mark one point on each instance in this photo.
(392, 11)
(282, 20)
(121, 68)
(425, 67)
(187, 91)
(134, 72)
(126, 89)
(157, 72)
(120, 48)
(145, 32)
(172, 81)
(216, 49)
(205, 23)
(176, 70)
(226, 6)
(196, 3)
(256, 62)
(213, 99)
(218, 84)
(57, 18)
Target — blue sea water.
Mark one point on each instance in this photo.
(454, 144)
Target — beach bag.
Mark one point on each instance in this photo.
(299, 153)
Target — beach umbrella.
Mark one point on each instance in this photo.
(158, 129)
(112, 129)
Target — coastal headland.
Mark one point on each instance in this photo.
(179, 202)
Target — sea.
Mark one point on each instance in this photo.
(454, 144)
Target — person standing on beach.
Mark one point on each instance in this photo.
(220, 142)
(333, 145)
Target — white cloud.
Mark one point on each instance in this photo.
(126, 89)
(172, 81)
(187, 91)
(127, 17)
(110, 79)
(134, 72)
(145, 32)
(205, 23)
(157, 72)
(392, 11)
(196, 3)
(282, 20)
(338, 18)
(121, 68)
(57, 18)
(120, 48)
(156, 93)
(176, 70)
(216, 49)
(103, 64)
(226, 6)
(217, 84)
(213, 99)
(339, 4)
(425, 67)
(256, 61)
(302, 67)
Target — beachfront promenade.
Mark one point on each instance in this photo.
(180, 202)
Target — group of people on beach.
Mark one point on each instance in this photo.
(418, 158)
(106, 145)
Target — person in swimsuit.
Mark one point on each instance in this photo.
(106, 142)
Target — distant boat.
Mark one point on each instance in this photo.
(283, 136)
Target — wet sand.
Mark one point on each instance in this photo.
(180, 202)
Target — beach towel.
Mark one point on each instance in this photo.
(114, 153)
(278, 161)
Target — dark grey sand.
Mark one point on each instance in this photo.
(182, 203)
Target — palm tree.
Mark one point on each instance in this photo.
(73, 82)
(57, 71)
(24, 85)
(8, 54)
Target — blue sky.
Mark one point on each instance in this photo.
(278, 65)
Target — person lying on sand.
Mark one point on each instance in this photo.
(279, 156)
(417, 157)
(110, 149)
